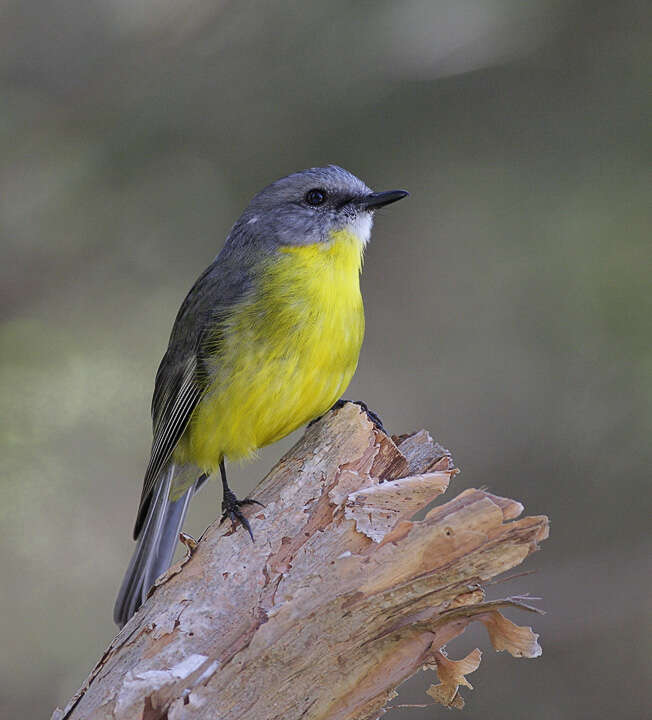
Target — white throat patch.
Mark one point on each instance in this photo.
(361, 227)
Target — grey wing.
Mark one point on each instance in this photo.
(175, 397)
(179, 385)
(182, 377)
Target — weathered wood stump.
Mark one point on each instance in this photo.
(341, 598)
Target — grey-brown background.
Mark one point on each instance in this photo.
(508, 300)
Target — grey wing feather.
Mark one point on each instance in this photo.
(169, 424)
(178, 388)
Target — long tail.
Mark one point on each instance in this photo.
(156, 545)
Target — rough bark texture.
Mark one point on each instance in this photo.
(341, 598)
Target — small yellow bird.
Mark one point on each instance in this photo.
(266, 340)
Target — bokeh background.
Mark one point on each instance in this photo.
(509, 301)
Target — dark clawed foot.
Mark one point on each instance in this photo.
(231, 509)
(375, 419)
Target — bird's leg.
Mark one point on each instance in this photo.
(375, 419)
(231, 505)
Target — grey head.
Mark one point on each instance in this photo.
(306, 207)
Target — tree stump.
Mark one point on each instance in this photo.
(341, 598)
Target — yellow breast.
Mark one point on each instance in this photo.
(287, 355)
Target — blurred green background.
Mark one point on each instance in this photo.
(509, 300)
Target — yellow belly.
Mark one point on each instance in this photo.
(286, 356)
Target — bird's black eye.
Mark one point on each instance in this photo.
(316, 197)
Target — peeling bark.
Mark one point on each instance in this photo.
(341, 598)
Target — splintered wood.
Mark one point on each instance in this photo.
(341, 598)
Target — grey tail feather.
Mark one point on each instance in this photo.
(156, 545)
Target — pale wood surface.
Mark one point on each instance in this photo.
(341, 598)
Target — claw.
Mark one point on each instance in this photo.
(231, 509)
(375, 419)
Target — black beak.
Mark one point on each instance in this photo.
(380, 199)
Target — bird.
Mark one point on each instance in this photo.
(267, 340)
